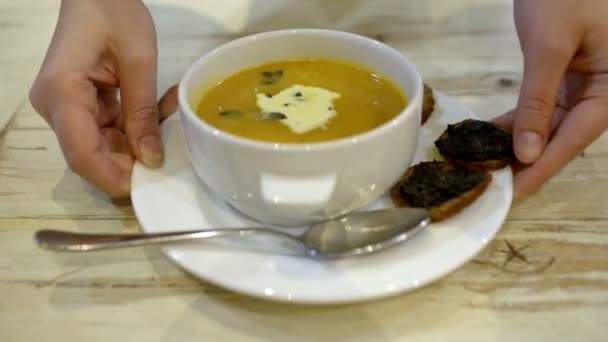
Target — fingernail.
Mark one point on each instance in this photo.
(529, 147)
(151, 150)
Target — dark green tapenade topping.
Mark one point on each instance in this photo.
(432, 183)
(476, 140)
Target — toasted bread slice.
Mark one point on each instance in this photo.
(479, 144)
(428, 103)
(441, 187)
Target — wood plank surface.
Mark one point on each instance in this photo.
(554, 287)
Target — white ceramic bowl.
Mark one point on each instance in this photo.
(295, 184)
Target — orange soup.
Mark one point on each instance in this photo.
(301, 101)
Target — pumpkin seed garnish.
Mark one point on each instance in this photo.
(271, 77)
(231, 113)
(276, 116)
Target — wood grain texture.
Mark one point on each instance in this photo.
(104, 293)
(544, 277)
(24, 31)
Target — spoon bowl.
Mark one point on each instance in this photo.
(348, 235)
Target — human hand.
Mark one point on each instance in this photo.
(563, 103)
(98, 49)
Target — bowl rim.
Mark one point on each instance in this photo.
(188, 113)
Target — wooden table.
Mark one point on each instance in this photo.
(464, 48)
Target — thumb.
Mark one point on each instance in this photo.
(544, 68)
(138, 95)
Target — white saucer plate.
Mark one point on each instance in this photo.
(173, 198)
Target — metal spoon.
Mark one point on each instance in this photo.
(348, 235)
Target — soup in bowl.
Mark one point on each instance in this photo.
(290, 127)
(302, 100)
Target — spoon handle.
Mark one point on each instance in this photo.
(82, 242)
